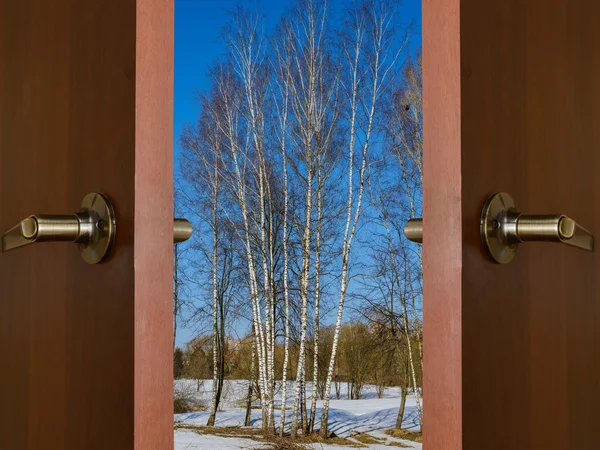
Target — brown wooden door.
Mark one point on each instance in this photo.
(512, 352)
(86, 105)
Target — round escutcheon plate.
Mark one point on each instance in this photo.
(493, 216)
(100, 216)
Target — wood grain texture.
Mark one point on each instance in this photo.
(526, 345)
(74, 90)
(154, 225)
(530, 128)
(442, 247)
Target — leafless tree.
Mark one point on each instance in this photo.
(305, 75)
(370, 60)
(278, 168)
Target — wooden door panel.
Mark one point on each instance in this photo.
(526, 99)
(86, 105)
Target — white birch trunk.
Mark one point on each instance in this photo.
(402, 295)
(286, 355)
(347, 240)
(313, 405)
(303, 300)
(213, 413)
(246, 47)
(377, 28)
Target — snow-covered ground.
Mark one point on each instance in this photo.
(347, 418)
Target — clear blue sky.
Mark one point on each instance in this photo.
(198, 25)
(197, 28)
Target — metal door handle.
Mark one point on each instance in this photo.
(413, 230)
(182, 230)
(92, 228)
(70, 228)
(503, 228)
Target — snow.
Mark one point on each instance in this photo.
(347, 418)
(189, 440)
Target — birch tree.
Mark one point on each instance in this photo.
(284, 148)
(370, 60)
(403, 290)
(246, 43)
(281, 102)
(304, 68)
(202, 164)
(404, 131)
(176, 291)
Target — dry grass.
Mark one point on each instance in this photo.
(273, 441)
(237, 432)
(316, 438)
(397, 444)
(187, 405)
(405, 434)
(185, 400)
(366, 438)
(282, 444)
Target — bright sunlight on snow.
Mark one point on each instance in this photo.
(348, 418)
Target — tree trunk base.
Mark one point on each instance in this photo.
(211, 421)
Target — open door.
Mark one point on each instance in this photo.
(86, 106)
(512, 351)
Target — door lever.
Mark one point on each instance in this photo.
(503, 228)
(93, 228)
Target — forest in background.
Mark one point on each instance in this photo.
(298, 175)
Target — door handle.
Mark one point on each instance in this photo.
(93, 228)
(503, 228)
(182, 230)
(413, 230)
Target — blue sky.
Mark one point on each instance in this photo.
(197, 28)
(198, 24)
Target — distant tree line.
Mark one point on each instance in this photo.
(365, 357)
